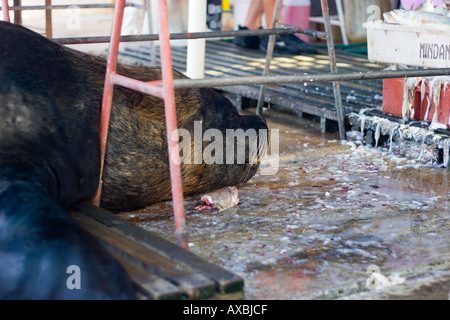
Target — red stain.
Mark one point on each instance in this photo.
(309, 265)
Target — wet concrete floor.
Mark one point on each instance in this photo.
(339, 220)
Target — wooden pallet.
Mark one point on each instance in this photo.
(158, 268)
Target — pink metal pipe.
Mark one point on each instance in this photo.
(5, 9)
(171, 126)
(149, 88)
(109, 88)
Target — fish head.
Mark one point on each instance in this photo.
(398, 16)
(402, 16)
(222, 198)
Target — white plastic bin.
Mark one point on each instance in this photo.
(413, 46)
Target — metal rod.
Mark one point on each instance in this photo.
(308, 32)
(18, 13)
(171, 127)
(194, 35)
(333, 67)
(269, 55)
(108, 89)
(258, 80)
(5, 9)
(48, 20)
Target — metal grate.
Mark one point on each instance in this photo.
(315, 98)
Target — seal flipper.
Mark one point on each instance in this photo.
(39, 241)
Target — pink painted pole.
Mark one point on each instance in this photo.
(5, 9)
(171, 126)
(109, 88)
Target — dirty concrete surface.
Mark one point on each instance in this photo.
(333, 213)
(339, 220)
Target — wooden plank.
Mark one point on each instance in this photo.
(225, 282)
(189, 281)
(147, 284)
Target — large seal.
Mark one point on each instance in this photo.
(50, 101)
